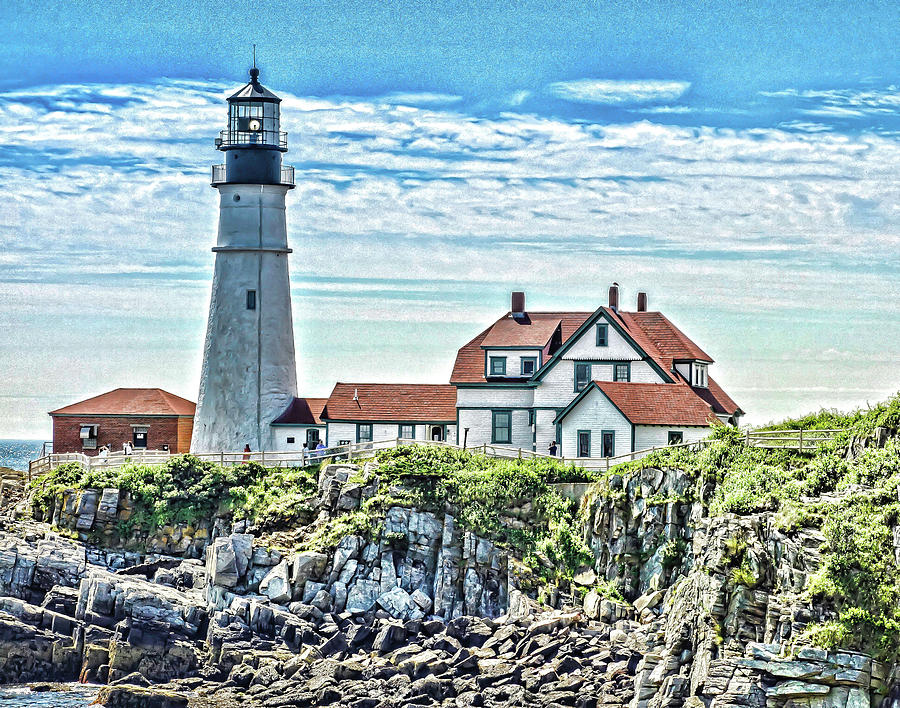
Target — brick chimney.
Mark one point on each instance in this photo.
(642, 302)
(614, 297)
(517, 305)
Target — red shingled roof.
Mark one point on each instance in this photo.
(720, 401)
(131, 401)
(658, 404)
(302, 411)
(417, 403)
(469, 365)
(533, 330)
(671, 343)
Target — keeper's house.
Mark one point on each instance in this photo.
(600, 383)
(359, 412)
(148, 418)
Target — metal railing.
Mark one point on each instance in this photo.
(263, 138)
(219, 175)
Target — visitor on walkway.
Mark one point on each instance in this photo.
(552, 448)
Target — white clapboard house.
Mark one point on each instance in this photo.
(600, 383)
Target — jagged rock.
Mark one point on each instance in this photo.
(305, 566)
(136, 697)
(585, 577)
(397, 602)
(361, 597)
(222, 563)
(276, 585)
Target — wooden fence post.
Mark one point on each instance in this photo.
(801, 439)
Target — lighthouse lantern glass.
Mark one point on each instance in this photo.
(253, 123)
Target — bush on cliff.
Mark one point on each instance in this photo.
(481, 492)
(859, 578)
(185, 488)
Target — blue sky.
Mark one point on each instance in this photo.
(736, 160)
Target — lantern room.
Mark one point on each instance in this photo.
(253, 141)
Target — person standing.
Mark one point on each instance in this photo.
(320, 449)
(247, 453)
(127, 448)
(304, 454)
(552, 448)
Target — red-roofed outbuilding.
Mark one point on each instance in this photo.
(147, 418)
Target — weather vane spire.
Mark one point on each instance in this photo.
(254, 56)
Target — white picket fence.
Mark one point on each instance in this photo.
(350, 452)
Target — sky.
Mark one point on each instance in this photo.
(737, 161)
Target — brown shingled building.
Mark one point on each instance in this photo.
(148, 418)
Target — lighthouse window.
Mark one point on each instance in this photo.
(251, 299)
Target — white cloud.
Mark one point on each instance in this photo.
(107, 219)
(610, 92)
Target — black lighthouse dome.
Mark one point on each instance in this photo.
(253, 141)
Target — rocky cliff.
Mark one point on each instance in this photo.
(678, 607)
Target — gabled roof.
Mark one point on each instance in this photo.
(652, 332)
(131, 402)
(414, 403)
(671, 343)
(469, 365)
(302, 411)
(532, 330)
(651, 403)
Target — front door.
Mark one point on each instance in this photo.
(584, 443)
(312, 438)
(139, 438)
(437, 432)
(608, 442)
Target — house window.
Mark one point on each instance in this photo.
(622, 372)
(501, 427)
(584, 443)
(608, 443)
(312, 437)
(408, 432)
(676, 437)
(88, 435)
(498, 366)
(290, 440)
(531, 417)
(529, 364)
(582, 376)
(251, 299)
(602, 335)
(364, 432)
(700, 375)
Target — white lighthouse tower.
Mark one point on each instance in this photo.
(249, 371)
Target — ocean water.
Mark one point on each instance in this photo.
(17, 453)
(76, 695)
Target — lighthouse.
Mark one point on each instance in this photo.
(249, 374)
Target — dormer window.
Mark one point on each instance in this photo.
(529, 363)
(602, 335)
(498, 366)
(699, 375)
